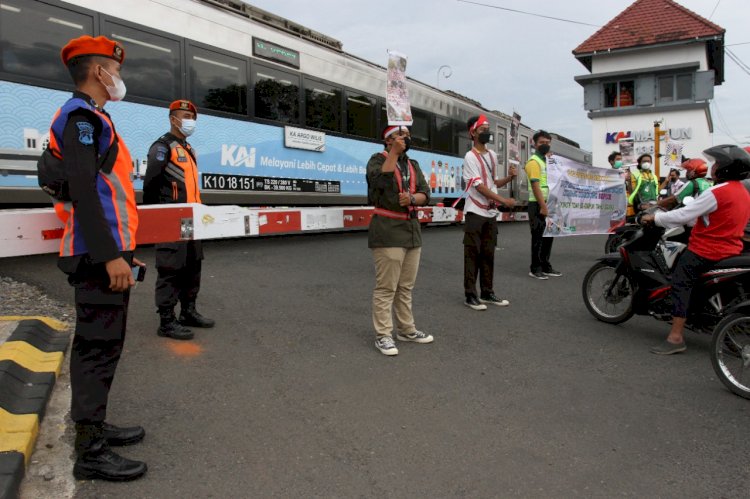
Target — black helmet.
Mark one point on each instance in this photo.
(731, 162)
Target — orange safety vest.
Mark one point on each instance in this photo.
(182, 164)
(113, 183)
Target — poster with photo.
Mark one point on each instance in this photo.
(673, 155)
(627, 150)
(396, 94)
(514, 157)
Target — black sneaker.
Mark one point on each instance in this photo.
(386, 345)
(473, 303)
(538, 275)
(667, 348)
(416, 337)
(491, 299)
(552, 272)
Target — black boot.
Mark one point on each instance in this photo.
(96, 460)
(117, 436)
(171, 328)
(189, 316)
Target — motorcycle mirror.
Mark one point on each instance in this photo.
(663, 192)
(688, 200)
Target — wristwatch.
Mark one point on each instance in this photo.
(412, 199)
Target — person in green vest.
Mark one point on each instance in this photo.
(645, 185)
(695, 171)
(536, 171)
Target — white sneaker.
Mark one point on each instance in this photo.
(386, 345)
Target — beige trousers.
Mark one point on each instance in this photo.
(395, 274)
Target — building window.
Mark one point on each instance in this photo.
(619, 93)
(360, 115)
(32, 34)
(322, 106)
(276, 95)
(676, 88)
(152, 63)
(218, 81)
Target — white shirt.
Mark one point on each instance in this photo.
(702, 206)
(473, 170)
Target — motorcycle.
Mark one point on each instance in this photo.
(636, 280)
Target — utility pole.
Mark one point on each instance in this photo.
(658, 134)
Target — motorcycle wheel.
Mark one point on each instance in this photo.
(730, 353)
(612, 309)
(613, 243)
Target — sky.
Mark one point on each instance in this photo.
(510, 61)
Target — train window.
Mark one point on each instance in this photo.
(322, 106)
(442, 135)
(463, 141)
(32, 34)
(500, 145)
(276, 94)
(218, 81)
(420, 129)
(152, 62)
(360, 115)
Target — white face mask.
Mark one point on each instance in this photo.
(116, 92)
(188, 127)
(646, 166)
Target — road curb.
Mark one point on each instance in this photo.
(30, 361)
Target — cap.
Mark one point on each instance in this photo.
(481, 120)
(183, 105)
(86, 45)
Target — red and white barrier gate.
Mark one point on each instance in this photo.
(36, 231)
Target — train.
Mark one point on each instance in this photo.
(286, 117)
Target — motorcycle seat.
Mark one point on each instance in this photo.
(734, 261)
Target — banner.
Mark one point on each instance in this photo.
(673, 156)
(583, 199)
(396, 96)
(514, 158)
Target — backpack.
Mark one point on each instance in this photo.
(51, 174)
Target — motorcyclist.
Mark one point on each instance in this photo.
(695, 172)
(722, 212)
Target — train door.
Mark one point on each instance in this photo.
(501, 148)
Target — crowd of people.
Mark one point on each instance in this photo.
(98, 210)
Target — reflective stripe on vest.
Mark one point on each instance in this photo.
(400, 215)
(542, 178)
(181, 159)
(115, 189)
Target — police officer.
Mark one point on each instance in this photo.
(172, 177)
(96, 252)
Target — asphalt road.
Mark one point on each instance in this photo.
(287, 396)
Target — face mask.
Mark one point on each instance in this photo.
(407, 143)
(484, 137)
(116, 92)
(543, 149)
(188, 127)
(618, 164)
(646, 166)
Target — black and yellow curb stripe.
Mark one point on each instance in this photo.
(30, 361)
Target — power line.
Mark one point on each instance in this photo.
(733, 44)
(531, 13)
(712, 12)
(744, 67)
(724, 127)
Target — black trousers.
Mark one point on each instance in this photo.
(541, 247)
(480, 240)
(179, 268)
(101, 321)
(689, 268)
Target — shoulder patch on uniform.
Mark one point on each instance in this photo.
(85, 133)
(181, 154)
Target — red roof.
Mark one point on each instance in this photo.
(649, 22)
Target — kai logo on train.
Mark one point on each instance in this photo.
(234, 155)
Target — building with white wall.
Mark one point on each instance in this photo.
(655, 61)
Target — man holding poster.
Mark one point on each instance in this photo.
(480, 228)
(536, 171)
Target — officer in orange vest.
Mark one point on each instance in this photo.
(96, 252)
(172, 177)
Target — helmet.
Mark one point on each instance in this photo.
(731, 162)
(697, 166)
